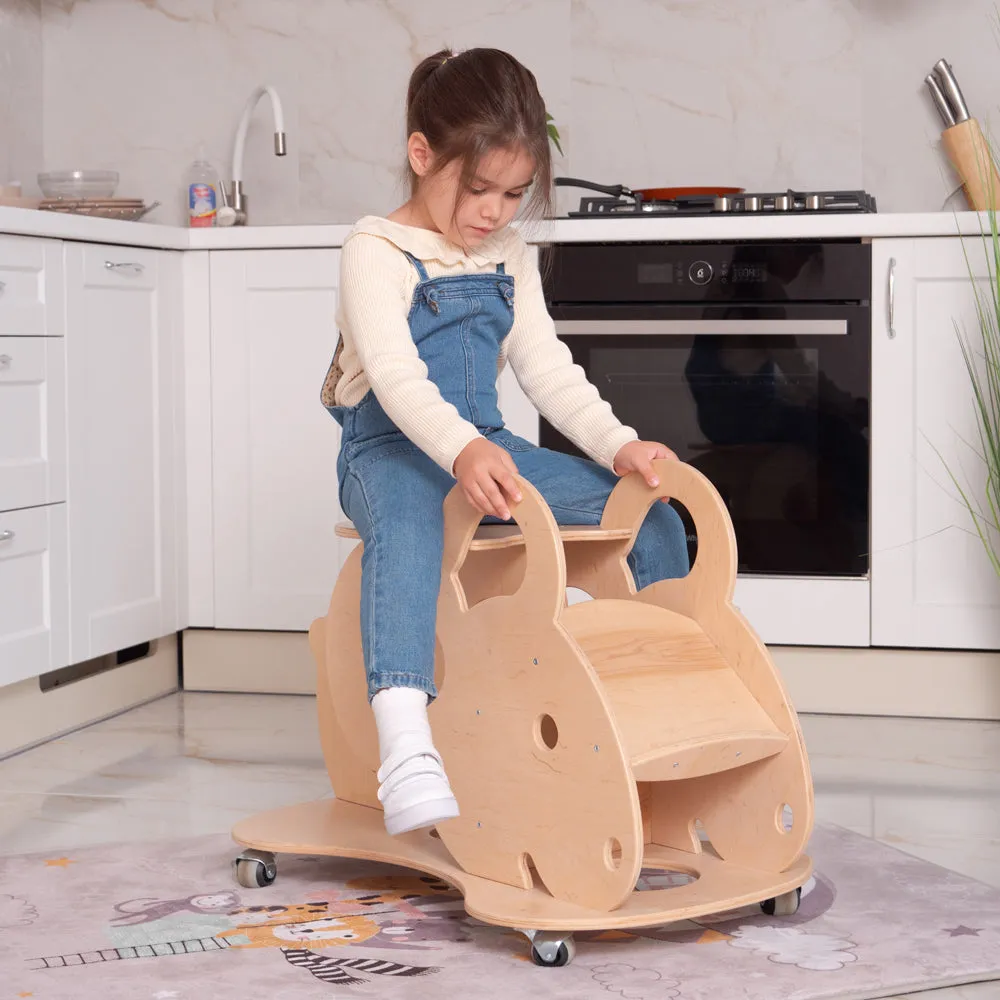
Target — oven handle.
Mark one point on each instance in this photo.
(682, 327)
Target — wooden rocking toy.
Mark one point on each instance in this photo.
(584, 742)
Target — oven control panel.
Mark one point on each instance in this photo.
(678, 272)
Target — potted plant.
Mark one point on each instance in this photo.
(981, 354)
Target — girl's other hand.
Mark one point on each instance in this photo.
(638, 456)
(486, 472)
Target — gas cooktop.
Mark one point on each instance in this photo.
(632, 204)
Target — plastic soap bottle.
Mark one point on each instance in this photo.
(202, 193)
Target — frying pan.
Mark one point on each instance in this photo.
(647, 194)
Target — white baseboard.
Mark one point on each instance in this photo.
(262, 662)
(29, 715)
(931, 683)
(946, 684)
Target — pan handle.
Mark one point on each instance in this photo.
(615, 190)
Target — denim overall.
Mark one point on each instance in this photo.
(393, 492)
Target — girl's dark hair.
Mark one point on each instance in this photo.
(473, 102)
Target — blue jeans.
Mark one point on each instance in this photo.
(394, 494)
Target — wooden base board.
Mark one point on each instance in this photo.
(904, 682)
(29, 715)
(344, 829)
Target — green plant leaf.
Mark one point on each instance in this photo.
(554, 136)
(981, 356)
(553, 132)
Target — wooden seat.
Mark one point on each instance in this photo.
(503, 536)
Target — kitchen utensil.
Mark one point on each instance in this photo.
(124, 209)
(952, 91)
(78, 184)
(940, 101)
(649, 194)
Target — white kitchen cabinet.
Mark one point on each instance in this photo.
(932, 583)
(31, 287)
(123, 308)
(34, 618)
(274, 446)
(33, 418)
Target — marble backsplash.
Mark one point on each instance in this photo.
(765, 94)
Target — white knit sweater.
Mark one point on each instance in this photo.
(376, 290)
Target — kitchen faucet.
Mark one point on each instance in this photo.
(234, 202)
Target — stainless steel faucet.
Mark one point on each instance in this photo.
(234, 201)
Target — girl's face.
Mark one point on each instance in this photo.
(489, 204)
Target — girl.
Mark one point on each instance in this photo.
(434, 300)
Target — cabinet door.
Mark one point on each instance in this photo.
(34, 622)
(274, 446)
(123, 307)
(932, 582)
(33, 418)
(31, 287)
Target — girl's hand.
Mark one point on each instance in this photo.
(483, 469)
(638, 456)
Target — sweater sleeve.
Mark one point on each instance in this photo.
(374, 310)
(544, 368)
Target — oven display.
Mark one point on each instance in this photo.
(656, 274)
(747, 273)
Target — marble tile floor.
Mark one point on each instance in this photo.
(194, 763)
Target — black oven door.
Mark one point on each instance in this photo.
(771, 403)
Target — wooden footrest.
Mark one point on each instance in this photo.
(681, 710)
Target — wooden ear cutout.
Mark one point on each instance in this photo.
(714, 571)
(543, 589)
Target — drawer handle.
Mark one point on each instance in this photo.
(5, 362)
(6, 536)
(124, 268)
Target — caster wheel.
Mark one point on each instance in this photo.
(552, 950)
(784, 905)
(255, 869)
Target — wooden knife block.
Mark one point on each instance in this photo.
(970, 155)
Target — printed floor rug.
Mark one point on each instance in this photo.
(165, 920)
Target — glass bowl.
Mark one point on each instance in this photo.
(73, 184)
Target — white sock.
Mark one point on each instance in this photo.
(413, 789)
(400, 714)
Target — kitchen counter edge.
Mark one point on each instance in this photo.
(54, 225)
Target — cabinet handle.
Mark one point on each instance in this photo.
(5, 361)
(6, 536)
(892, 297)
(125, 268)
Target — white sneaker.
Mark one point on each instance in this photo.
(414, 789)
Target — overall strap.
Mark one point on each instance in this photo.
(500, 269)
(421, 270)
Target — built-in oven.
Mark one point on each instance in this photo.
(752, 361)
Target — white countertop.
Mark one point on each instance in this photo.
(19, 221)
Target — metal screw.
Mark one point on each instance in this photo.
(676, 763)
(479, 824)
(739, 753)
(596, 748)
(477, 711)
(535, 661)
